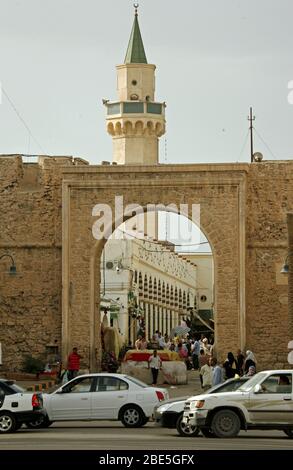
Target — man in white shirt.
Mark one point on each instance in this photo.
(155, 364)
(206, 373)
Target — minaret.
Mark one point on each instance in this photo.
(136, 120)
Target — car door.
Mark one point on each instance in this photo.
(273, 403)
(109, 395)
(73, 401)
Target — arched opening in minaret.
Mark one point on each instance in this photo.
(157, 273)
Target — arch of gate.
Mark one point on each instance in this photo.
(219, 190)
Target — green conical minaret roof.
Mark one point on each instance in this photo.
(135, 52)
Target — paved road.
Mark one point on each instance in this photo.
(104, 435)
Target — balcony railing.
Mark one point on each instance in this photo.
(134, 107)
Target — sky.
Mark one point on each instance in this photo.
(215, 59)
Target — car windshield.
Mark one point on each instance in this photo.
(229, 386)
(137, 382)
(257, 378)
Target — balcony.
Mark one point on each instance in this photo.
(135, 107)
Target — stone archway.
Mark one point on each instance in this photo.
(220, 191)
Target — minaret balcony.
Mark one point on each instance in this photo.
(119, 109)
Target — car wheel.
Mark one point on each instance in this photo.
(7, 423)
(132, 417)
(185, 430)
(225, 423)
(206, 432)
(41, 422)
(289, 433)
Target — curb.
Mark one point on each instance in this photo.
(41, 386)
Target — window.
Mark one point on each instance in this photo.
(203, 298)
(154, 108)
(113, 108)
(137, 382)
(277, 383)
(132, 108)
(110, 384)
(79, 386)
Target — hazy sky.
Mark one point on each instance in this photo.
(214, 59)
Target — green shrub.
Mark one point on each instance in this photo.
(33, 365)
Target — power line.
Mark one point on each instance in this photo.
(22, 120)
(259, 136)
(244, 145)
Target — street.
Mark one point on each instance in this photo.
(105, 435)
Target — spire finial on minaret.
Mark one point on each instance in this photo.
(136, 5)
(135, 52)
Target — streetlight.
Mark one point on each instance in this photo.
(286, 265)
(285, 268)
(12, 269)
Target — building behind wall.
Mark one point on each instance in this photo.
(146, 279)
(204, 287)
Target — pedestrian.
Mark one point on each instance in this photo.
(230, 366)
(73, 364)
(195, 348)
(217, 377)
(144, 343)
(153, 343)
(251, 371)
(250, 360)
(206, 374)
(240, 361)
(155, 364)
(137, 343)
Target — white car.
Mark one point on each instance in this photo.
(102, 396)
(170, 413)
(264, 402)
(18, 406)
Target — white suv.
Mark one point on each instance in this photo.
(18, 406)
(264, 402)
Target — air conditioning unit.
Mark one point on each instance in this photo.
(109, 265)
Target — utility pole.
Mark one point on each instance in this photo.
(251, 118)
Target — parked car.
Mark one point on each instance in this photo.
(263, 402)
(102, 396)
(18, 406)
(170, 413)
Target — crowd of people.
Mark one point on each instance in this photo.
(198, 354)
(212, 373)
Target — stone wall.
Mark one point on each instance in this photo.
(31, 231)
(269, 198)
(243, 214)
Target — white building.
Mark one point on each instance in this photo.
(147, 279)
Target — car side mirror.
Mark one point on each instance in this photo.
(257, 389)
